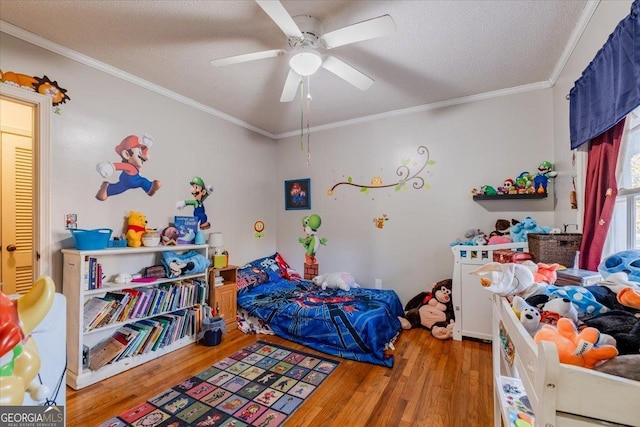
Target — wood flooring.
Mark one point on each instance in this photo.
(432, 383)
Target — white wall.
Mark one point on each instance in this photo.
(102, 111)
(478, 143)
(601, 25)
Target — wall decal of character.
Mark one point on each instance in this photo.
(200, 192)
(134, 152)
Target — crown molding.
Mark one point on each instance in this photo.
(34, 39)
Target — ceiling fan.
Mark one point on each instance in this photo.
(306, 38)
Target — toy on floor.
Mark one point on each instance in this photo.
(136, 226)
(432, 310)
(19, 358)
(576, 348)
(343, 280)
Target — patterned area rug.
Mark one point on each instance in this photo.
(260, 385)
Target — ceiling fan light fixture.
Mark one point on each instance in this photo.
(305, 62)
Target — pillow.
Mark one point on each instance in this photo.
(263, 270)
(287, 272)
(270, 266)
(250, 276)
(190, 262)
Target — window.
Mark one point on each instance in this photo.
(624, 231)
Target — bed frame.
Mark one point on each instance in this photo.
(472, 304)
(561, 395)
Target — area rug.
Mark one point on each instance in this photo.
(260, 385)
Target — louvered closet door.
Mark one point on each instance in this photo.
(17, 198)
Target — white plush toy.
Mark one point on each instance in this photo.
(344, 281)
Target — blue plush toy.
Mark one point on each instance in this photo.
(528, 225)
(190, 262)
(584, 301)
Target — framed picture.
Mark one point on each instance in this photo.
(297, 194)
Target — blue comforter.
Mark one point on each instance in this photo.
(354, 324)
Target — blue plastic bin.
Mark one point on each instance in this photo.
(91, 239)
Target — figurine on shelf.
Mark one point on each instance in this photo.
(541, 180)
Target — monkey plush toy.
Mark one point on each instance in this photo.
(432, 310)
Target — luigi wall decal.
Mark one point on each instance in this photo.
(133, 152)
(200, 192)
(406, 177)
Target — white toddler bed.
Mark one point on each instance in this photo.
(560, 395)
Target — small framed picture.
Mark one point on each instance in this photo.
(297, 194)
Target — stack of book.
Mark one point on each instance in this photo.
(93, 275)
(218, 281)
(137, 303)
(148, 335)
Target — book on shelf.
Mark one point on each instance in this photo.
(95, 309)
(110, 348)
(187, 227)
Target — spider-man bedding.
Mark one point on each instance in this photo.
(355, 324)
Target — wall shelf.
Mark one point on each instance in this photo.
(533, 196)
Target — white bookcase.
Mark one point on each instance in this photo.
(75, 286)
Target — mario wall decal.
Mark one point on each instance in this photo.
(200, 192)
(134, 152)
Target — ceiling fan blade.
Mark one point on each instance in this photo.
(365, 30)
(281, 17)
(347, 72)
(247, 57)
(290, 86)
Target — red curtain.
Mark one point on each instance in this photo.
(601, 189)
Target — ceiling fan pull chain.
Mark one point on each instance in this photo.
(309, 98)
(301, 114)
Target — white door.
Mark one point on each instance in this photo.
(17, 191)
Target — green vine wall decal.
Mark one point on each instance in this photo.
(406, 177)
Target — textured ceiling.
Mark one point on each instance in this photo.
(441, 50)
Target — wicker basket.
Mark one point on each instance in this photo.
(555, 247)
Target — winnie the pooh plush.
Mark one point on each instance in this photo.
(432, 310)
(136, 226)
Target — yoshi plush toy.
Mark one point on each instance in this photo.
(311, 243)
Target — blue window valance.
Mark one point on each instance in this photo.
(609, 87)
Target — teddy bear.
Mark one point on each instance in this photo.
(432, 310)
(575, 348)
(136, 226)
(344, 281)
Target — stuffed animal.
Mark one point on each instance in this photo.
(556, 309)
(136, 226)
(546, 273)
(624, 327)
(528, 225)
(502, 228)
(576, 348)
(344, 281)
(432, 310)
(19, 357)
(507, 279)
(581, 298)
(528, 315)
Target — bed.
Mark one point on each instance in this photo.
(558, 394)
(358, 324)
